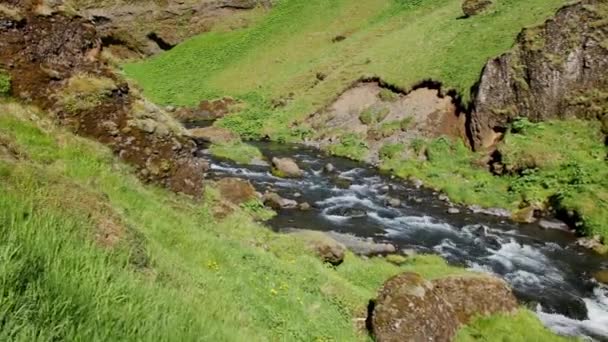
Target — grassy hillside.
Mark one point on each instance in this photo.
(308, 51)
(89, 253)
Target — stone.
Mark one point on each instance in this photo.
(601, 276)
(594, 243)
(326, 248)
(553, 224)
(476, 295)
(474, 7)
(410, 308)
(394, 202)
(276, 202)
(286, 168)
(444, 198)
(329, 168)
(360, 246)
(396, 259)
(236, 190)
(453, 211)
(524, 215)
(214, 135)
(304, 206)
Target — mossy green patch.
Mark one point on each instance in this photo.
(5, 83)
(237, 151)
(350, 146)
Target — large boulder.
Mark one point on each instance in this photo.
(410, 308)
(236, 190)
(474, 7)
(326, 248)
(472, 296)
(286, 168)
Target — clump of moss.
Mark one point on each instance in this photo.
(351, 146)
(373, 115)
(390, 151)
(236, 151)
(388, 95)
(84, 91)
(5, 83)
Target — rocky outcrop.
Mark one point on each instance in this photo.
(556, 70)
(410, 308)
(55, 62)
(148, 27)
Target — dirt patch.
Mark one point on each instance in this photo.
(44, 55)
(382, 116)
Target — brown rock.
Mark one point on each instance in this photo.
(304, 206)
(556, 70)
(214, 135)
(410, 308)
(236, 190)
(276, 202)
(524, 215)
(286, 168)
(473, 7)
(472, 296)
(328, 249)
(601, 276)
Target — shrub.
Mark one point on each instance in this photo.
(390, 151)
(350, 146)
(5, 83)
(388, 95)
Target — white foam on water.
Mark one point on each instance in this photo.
(523, 260)
(596, 327)
(350, 174)
(348, 200)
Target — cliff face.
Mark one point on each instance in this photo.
(54, 62)
(556, 70)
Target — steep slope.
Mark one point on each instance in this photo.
(89, 253)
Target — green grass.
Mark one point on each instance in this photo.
(5, 83)
(523, 327)
(403, 42)
(350, 146)
(558, 163)
(238, 151)
(87, 252)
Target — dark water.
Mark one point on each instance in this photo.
(546, 270)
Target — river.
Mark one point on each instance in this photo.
(547, 271)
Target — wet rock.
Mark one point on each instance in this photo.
(276, 202)
(453, 211)
(236, 190)
(348, 212)
(472, 296)
(410, 308)
(595, 244)
(474, 7)
(601, 276)
(214, 135)
(498, 212)
(396, 259)
(329, 168)
(524, 215)
(286, 168)
(304, 206)
(417, 183)
(444, 198)
(342, 183)
(361, 246)
(394, 202)
(328, 249)
(553, 224)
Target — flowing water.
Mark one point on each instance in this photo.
(544, 267)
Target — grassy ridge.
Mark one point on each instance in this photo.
(556, 163)
(89, 253)
(401, 41)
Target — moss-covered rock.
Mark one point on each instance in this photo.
(474, 7)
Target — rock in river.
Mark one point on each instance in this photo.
(276, 202)
(236, 190)
(286, 168)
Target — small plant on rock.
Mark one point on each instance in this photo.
(85, 91)
(5, 83)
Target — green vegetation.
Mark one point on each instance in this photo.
(351, 146)
(522, 327)
(373, 115)
(84, 92)
(280, 56)
(557, 163)
(390, 151)
(236, 151)
(388, 95)
(5, 83)
(257, 210)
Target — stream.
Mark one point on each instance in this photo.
(547, 271)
